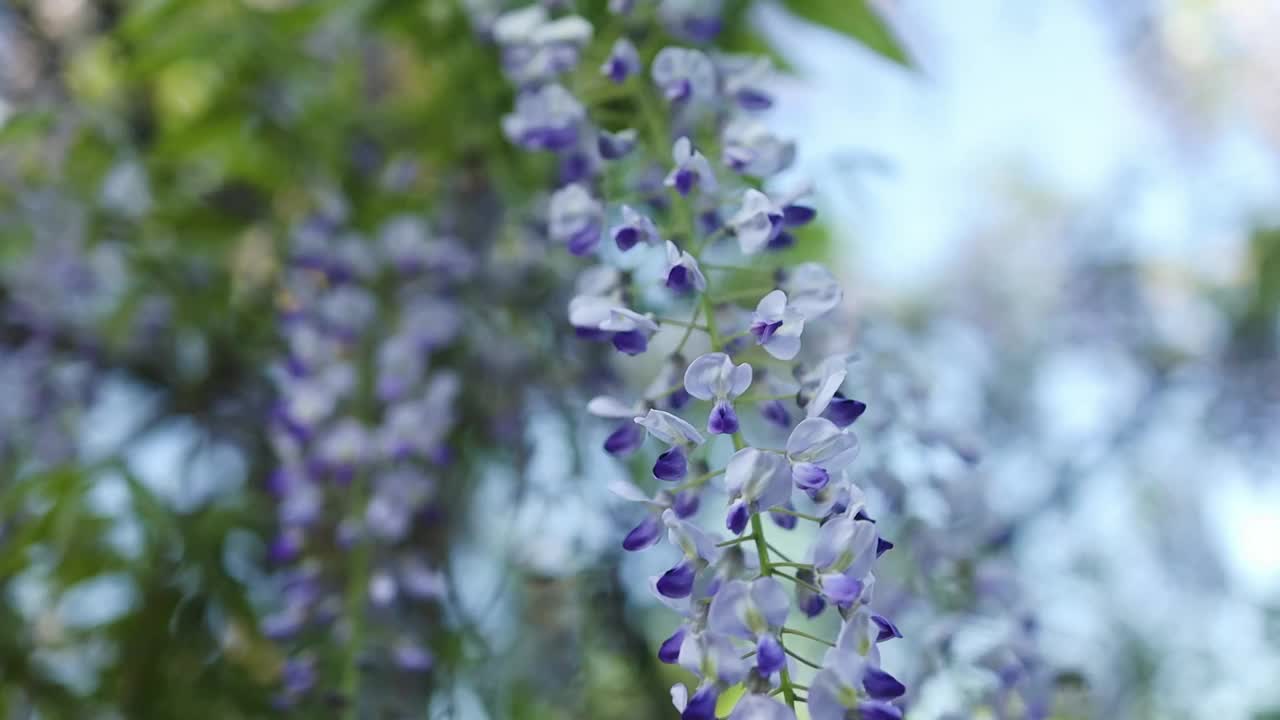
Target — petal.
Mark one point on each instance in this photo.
(670, 429)
(679, 693)
(881, 685)
(609, 407)
(678, 581)
(723, 420)
(770, 658)
(878, 710)
(671, 465)
(809, 477)
(737, 518)
(740, 380)
(844, 412)
(624, 440)
(772, 306)
(669, 651)
(627, 491)
(631, 342)
(703, 375)
(728, 611)
(643, 535)
(770, 597)
(841, 589)
(702, 706)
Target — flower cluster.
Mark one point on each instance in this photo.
(361, 425)
(50, 299)
(668, 200)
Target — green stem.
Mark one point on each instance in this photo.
(685, 338)
(735, 541)
(681, 323)
(757, 525)
(798, 581)
(802, 516)
(778, 552)
(803, 566)
(801, 633)
(700, 480)
(802, 659)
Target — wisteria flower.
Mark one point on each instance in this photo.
(682, 274)
(816, 449)
(811, 289)
(752, 149)
(840, 690)
(574, 218)
(684, 75)
(627, 436)
(650, 529)
(602, 316)
(548, 118)
(755, 480)
(615, 145)
(536, 48)
(753, 611)
(761, 707)
(777, 326)
(696, 20)
(714, 377)
(756, 223)
(823, 397)
(672, 465)
(699, 550)
(635, 228)
(692, 170)
(744, 78)
(623, 61)
(842, 557)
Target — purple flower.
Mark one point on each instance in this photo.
(634, 229)
(761, 707)
(696, 20)
(613, 146)
(817, 448)
(692, 170)
(842, 557)
(777, 327)
(574, 219)
(753, 611)
(812, 290)
(628, 436)
(751, 149)
(548, 118)
(714, 377)
(623, 61)
(683, 275)
(756, 223)
(684, 75)
(535, 48)
(759, 478)
(669, 651)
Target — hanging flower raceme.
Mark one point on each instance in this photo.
(735, 592)
(361, 425)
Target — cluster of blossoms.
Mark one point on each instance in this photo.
(664, 236)
(980, 633)
(50, 300)
(360, 429)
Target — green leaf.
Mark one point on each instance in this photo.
(856, 19)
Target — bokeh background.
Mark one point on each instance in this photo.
(1059, 230)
